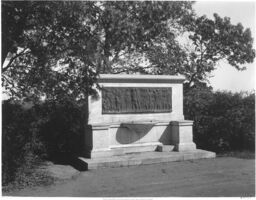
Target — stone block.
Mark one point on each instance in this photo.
(174, 83)
(165, 148)
(182, 135)
(185, 146)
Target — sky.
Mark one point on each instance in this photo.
(226, 77)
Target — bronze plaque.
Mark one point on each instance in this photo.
(136, 100)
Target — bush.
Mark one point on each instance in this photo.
(223, 121)
(15, 138)
(62, 131)
(39, 132)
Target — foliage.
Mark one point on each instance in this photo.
(39, 132)
(215, 40)
(223, 121)
(34, 69)
(62, 130)
(198, 50)
(56, 50)
(15, 137)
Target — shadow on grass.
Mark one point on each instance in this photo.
(238, 154)
(69, 159)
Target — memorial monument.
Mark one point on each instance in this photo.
(137, 114)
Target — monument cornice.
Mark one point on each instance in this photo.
(135, 78)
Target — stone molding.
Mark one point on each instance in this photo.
(134, 78)
(101, 126)
(182, 123)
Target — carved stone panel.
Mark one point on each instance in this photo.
(136, 100)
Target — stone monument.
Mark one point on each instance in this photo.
(138, 113)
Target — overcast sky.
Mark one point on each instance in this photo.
(227, 77)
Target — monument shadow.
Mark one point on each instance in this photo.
(129, 133)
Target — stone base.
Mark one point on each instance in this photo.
(165, 148)
(145, 158)
(185, 147)
(120, 138)
(118, 150)
(141, 136)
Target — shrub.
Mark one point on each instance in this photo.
(15, 138)
(41, 131)
(222, 120)
(62, 131)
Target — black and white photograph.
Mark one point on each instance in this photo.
(134, 99)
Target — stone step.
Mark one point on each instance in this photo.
(144, 158)
(134, 148)
(118, 150)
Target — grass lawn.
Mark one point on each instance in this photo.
(227, 175)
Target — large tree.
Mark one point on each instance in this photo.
(218, 40)
(205, 43)
(57, 49)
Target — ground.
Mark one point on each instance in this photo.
(223, 176)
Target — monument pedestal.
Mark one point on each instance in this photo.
(131, 137)
(118, 139)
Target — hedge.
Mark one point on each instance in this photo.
(223, 121)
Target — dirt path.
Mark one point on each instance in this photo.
(223, 176)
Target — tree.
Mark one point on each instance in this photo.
(215, 40)
(208, 42)
(56, 49)
(39, 44)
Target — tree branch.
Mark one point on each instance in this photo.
(192, 78)
(12, 59)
